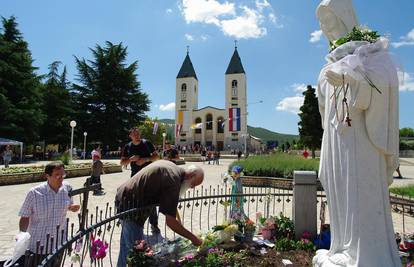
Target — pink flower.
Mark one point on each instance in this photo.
(150, 253)
(306, 235)
(98, 248)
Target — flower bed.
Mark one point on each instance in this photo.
(229, 244)
(279, 165)
(20, 175)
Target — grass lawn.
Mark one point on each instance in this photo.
(279, 165)
(404, 190)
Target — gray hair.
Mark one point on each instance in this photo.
(195, 170)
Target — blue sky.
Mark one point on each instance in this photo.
(278, 42)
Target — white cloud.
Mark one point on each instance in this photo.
(168, 10)
(241, 23)
(315, 36)
(299, 87)
(189, 37)
(272, 18)
(406, 81)
(406, 40)
(246, 26)
(167, 107)
(290, 104)
(204, 37)
(206, 11)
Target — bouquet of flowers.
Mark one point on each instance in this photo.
(225, 231)
(141, 255)
(266, 225)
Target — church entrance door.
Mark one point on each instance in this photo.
(220, 145)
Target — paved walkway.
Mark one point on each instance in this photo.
(12, 197)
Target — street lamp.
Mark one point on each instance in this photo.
(163, 143)
(72, 125)
(245, 144)
(84, 144)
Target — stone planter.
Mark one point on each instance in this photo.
(31, 177)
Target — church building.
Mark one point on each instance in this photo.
(218, 128)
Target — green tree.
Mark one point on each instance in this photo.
(57, 106)
(310, 125)
(20, 96)
(109, 99)
(406, 132)
(147, 128)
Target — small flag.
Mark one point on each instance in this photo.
(177, 129)
(155, 129)
(197, 126)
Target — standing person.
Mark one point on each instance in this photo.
(161, 183)
(170, 152)
(140, 153)
(97, 170)
(7, 156)
(96, 151)
(239, 154)
(44, 209)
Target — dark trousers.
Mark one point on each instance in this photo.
(153, 218)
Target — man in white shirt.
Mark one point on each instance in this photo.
(43, 213)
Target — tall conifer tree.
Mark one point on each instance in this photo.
(20, 97)
(109, 97)
(310, 126)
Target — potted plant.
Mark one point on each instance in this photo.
(141, 255)
(249, 230)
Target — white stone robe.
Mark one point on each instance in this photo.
(357, 161)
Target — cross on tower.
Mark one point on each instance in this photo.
(188, 49)
(235, 44)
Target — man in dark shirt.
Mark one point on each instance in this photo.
(140, 153)
(161, 183)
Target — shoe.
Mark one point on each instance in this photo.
(155, 230)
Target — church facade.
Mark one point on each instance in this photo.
(217, 128)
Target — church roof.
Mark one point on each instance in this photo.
(235, 65)
(187, 69)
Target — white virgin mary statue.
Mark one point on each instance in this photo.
(358, 102)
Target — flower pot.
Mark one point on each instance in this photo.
(248, 236)
(267, 233)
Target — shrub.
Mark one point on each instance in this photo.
(65, 158)
(276, 165)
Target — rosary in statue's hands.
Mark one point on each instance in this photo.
(338, 79)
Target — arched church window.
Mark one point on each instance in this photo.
(209, 122)
(195, 89)
(234, 91)
(197, 120)
(220, 125)
(234, 83)
(184, 87)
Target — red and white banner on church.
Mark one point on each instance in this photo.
(178, 129)
(234, 119)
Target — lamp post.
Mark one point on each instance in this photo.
(72, 125)
(84, 144)
(245, 144)
(163, 143)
